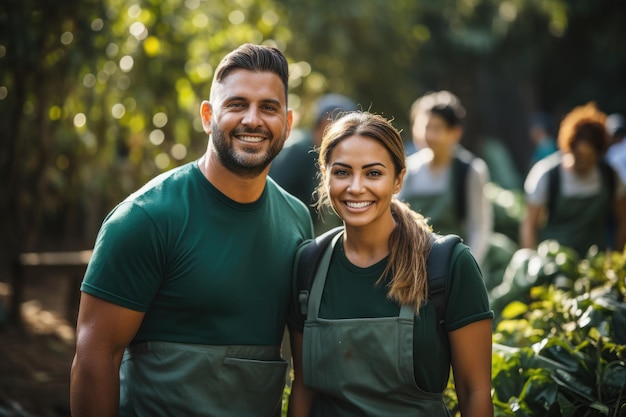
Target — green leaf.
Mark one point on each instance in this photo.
(615, 375)
(570, 383)
(566, 407)
(540, 392)
(514, 309)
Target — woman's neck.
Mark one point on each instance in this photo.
(366, 245)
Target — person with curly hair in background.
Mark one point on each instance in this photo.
(572, 195)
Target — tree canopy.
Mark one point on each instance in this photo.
(98, 96)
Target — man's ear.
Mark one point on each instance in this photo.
(289, 123)
(205, 113)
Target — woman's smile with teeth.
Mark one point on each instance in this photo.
(358, 204)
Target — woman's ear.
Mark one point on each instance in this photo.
(397, 186)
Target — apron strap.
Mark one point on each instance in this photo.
(320, 279)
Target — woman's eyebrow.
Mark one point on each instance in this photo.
(373, 164)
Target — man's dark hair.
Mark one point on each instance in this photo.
(255, 58)
(442, 103)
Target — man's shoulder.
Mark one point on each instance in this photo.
(163, 181)
(418, 159)
(282, 197)
(297, 156)
(299, 144)
(299, 138)
(547, 164)
(163, 192)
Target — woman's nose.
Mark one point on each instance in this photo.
(356, 185)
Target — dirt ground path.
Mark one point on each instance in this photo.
(35, 359)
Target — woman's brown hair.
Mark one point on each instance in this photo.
(411, 239)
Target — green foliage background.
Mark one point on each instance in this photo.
(98, 96)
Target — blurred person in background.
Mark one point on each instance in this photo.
(295, 168)
(616, 154)
(541, 134)
(444, 181)
(571, 195)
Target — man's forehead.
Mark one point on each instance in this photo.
(247, 84)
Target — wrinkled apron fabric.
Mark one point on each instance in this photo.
(363, 367)
(579, 222)
(175, 379)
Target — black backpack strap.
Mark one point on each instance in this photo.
(554, 183)
(308, 257)
(608, 176)
(460, 166)
(437, 267)
(310, 253)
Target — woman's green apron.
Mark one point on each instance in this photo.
(362, 367)
(438, 209)
(579, 222)
(176, 379)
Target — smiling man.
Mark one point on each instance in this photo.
(184, 301)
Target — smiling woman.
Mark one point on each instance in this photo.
(358, 344)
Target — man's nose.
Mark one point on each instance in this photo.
(252, 117)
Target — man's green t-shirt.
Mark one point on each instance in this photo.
(204, 268)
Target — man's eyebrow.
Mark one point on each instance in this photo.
(273, 101)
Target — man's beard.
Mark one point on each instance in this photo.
(249, 162)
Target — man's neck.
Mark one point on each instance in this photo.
(235, 187)
(442, 159)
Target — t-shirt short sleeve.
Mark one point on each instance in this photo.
(125, 266)
(536, 184)
(467, 296)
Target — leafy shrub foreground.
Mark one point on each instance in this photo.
(560, 338)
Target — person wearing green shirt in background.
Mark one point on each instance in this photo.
(370, 343)
(541, 132)
(572, 194)
(184, 301)
(295, 168)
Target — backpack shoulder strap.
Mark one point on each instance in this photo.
(460, 167)
(554, 182)
(308, 257)
(608, 175)
(437, 267)
(310, 253)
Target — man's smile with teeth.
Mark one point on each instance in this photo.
(358, 204)
(250, 139)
